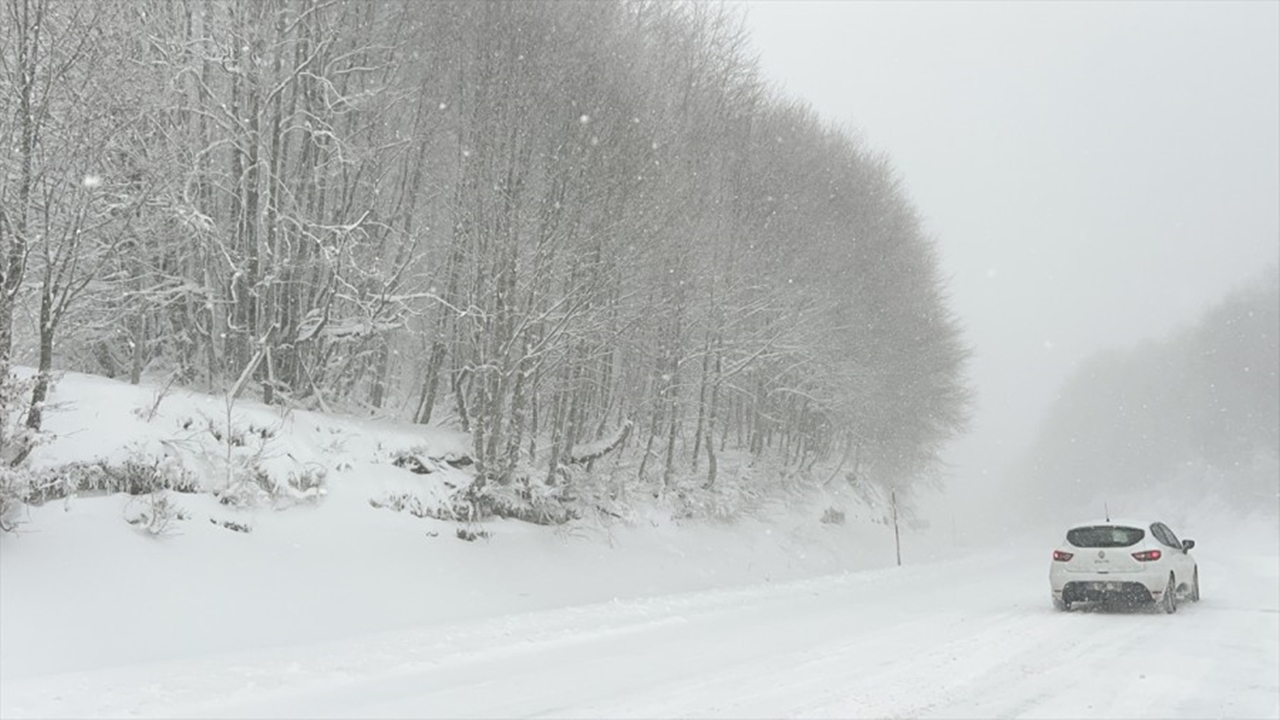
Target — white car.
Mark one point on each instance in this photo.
(1125, 560)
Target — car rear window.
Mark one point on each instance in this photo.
(1104, 536)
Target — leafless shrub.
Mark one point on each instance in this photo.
(149, 413)
(157, 514)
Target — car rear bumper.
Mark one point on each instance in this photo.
(1107, 590)
(1093, 587)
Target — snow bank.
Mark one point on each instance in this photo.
(82, 588)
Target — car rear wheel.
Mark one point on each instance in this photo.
(1169, 602)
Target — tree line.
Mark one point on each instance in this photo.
(557, 226)
(1196, 412)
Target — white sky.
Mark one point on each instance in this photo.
(1094, 173)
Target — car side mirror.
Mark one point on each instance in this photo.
(1188, 544)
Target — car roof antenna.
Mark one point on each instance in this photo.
(1106, 511)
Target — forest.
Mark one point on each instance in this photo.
(1192, 414)
(571, 230)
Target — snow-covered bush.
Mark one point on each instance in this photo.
(527, 497)
(400, 502)
(16, 441)
(256, 467)
(730, 497)
(14, 487)
(308, 481)
(142, 475)
(416, 461)
(154, 513)
(254, 485)
(471, 534)
(138, 474)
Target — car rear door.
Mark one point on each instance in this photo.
(1183, 564)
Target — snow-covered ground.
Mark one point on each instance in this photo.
(336, 608)
(971, 637)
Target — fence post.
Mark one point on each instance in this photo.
(897, 542)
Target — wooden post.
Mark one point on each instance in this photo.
(897, 542)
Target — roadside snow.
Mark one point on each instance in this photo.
(82, 589)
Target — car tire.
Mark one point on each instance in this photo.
(1169, 602)
(1195, 585)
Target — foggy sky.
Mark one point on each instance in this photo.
(1094, 173)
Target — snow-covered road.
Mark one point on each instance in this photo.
(974, 637)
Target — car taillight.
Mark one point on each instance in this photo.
(1147, 555)
(1062, 556)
